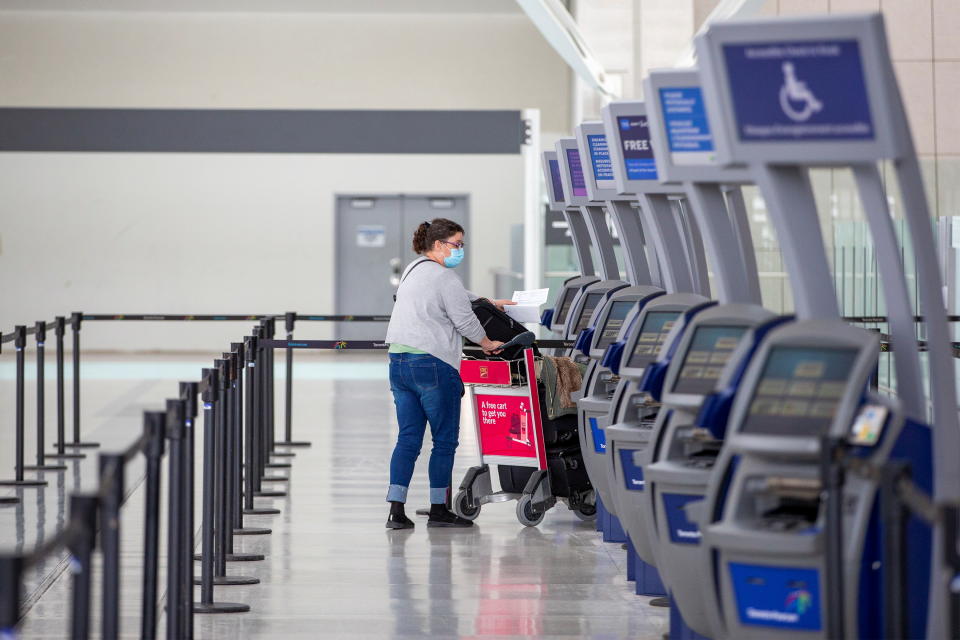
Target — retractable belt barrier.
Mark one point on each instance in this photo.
(238, 447)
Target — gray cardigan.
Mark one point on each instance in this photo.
(433, 311)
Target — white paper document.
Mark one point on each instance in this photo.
(528, 305)
(533, 297)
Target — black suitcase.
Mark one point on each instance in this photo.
(568, 475)
(499, 326)
(514, 479)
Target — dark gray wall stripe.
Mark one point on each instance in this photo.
(259, 131)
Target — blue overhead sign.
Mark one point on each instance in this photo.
(687, 129)
(799, 91)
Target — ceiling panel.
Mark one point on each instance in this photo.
(268, 6)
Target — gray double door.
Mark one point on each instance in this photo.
(374, 237)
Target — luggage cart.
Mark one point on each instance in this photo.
(506, 402)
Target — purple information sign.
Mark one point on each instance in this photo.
(579, 186)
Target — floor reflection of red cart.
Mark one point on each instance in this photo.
(509, 424)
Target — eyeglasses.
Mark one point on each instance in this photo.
(458, 245)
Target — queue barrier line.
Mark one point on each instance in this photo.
(236, 430)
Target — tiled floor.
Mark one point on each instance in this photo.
(331, 569)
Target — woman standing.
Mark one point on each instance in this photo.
(431, 317)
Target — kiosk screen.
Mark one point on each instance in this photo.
(555, 181)
(565, 302)
(653, 333)
(577, 184)
(618, 313)
(706, 356)
(799, 391)
(637, 152)
(587, 312)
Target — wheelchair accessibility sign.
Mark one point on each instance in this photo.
(799, 91)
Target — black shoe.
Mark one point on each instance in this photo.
(399, 521)
(397, 518)
(440, 516)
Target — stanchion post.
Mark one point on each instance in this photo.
(894, 520)
(11, 592)
(40, 336)
(188, 393)
(240, 401)
(207, 604)
(154, 426)
(262, 378)
(76, 320)
(20, 343)
(251, 427)
(225, 418)
(832, 479)
(290, 319)
(111, 477)
(173, 422)
(84, 510)
(950, 515)
(59, 330)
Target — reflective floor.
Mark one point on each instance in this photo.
(331, 569)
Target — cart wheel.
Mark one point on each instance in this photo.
(463, 509)
(586, 512)
(526, 513)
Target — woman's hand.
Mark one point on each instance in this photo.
(501, 303)
(490, 347)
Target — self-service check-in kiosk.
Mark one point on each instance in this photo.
(677, 249)
(556, 319)
(764, 533)
(626, 430)
(591, 215)
(783, 96)
(618, 310)
(675, 458)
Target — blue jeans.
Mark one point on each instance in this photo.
(425, 389)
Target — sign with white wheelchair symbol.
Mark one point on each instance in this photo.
(798, 91)
(794, 92)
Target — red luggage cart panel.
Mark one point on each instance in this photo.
(508, 424)
(485, 371)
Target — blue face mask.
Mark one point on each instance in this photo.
(455, 258)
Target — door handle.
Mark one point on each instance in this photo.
(396, 269)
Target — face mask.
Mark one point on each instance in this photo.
(455, 258)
